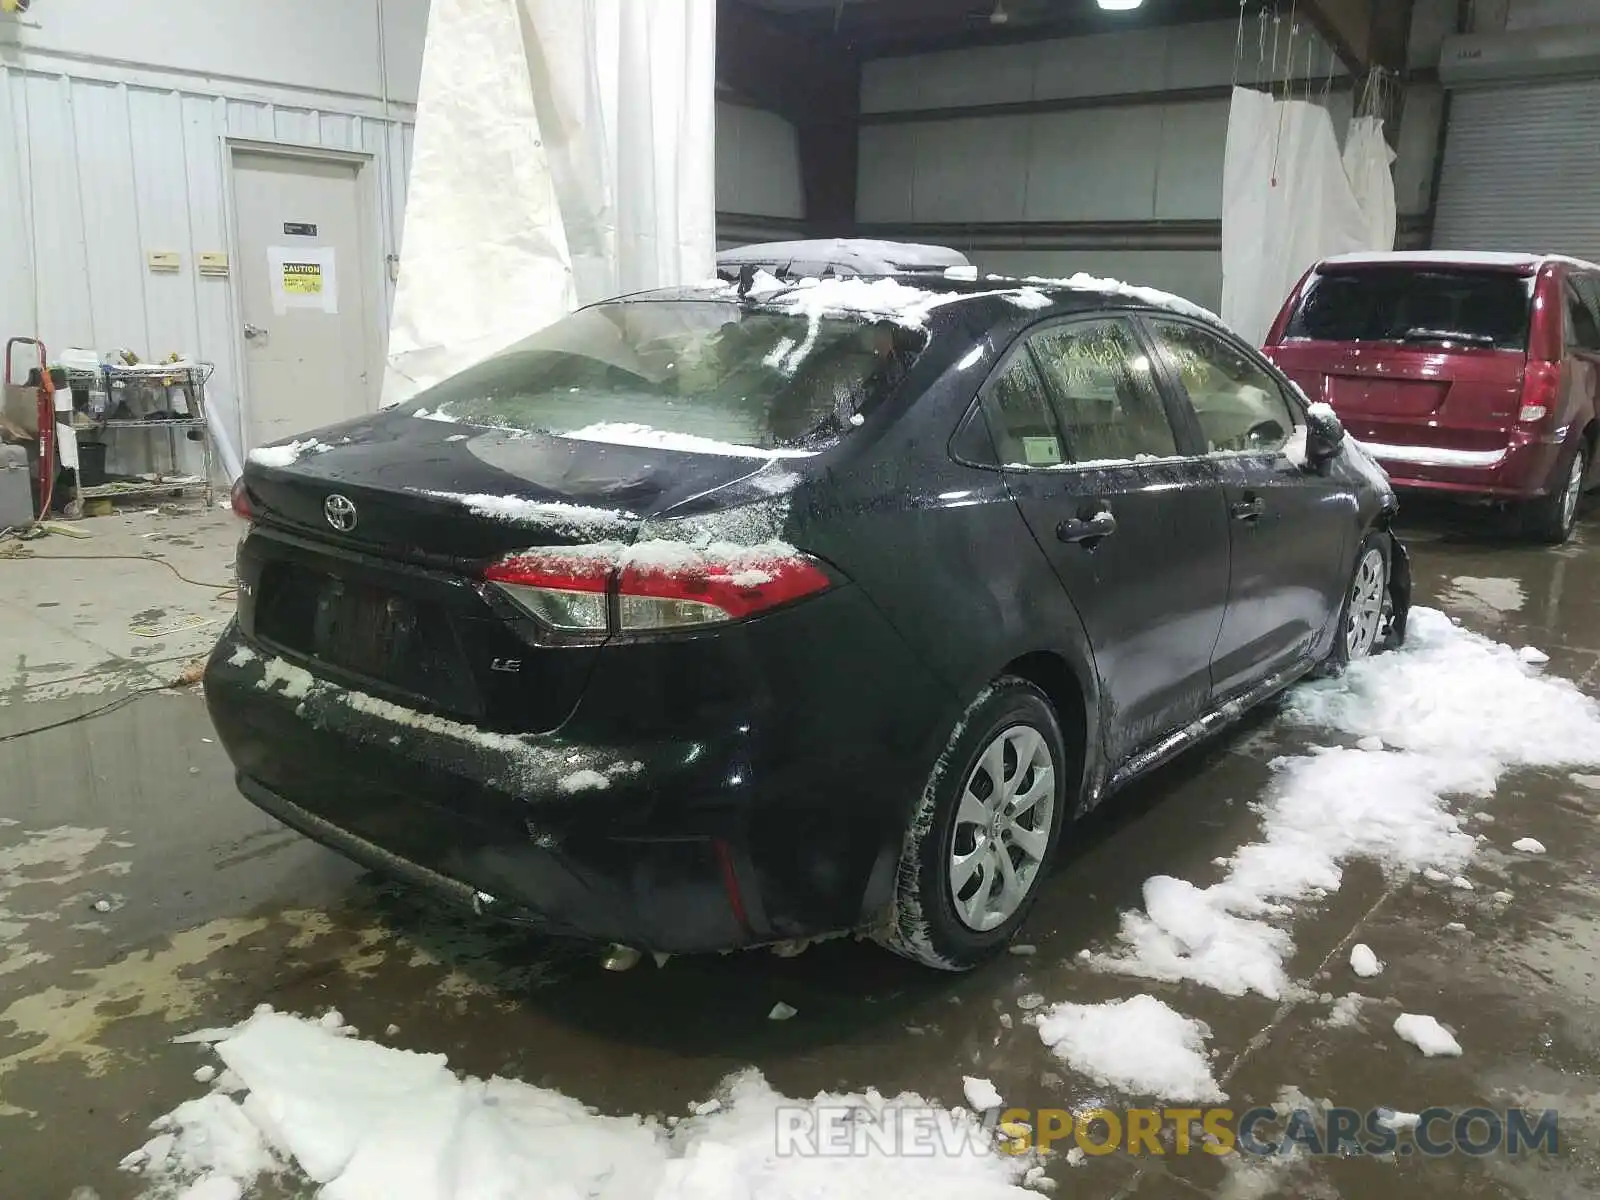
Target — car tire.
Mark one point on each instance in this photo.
(1552, 517)
(955, 901)
(1362, 626)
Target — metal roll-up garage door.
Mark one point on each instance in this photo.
(1522, 170)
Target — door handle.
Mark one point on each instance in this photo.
(253, 331)
(1088, 529)
(1252, 508)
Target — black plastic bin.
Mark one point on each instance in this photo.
(91, 464)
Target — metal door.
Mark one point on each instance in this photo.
(1520, 170)
(305, 291)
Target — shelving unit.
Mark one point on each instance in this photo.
(117, 384)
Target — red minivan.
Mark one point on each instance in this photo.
(1464, 373)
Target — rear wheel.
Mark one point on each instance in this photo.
(987, 825)
(1553, 516)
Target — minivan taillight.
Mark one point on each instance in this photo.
(239, 501)
(687, 591)
(1541, 392)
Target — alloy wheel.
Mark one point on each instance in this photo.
(1002, 828)
(1366, 605)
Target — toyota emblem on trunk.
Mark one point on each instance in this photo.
(340, 511)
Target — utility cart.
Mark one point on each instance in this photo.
(28, 414)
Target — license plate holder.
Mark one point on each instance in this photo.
(363, 629)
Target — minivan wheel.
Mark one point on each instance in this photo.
(1366, 605)
(983, 833)
(1553, 516)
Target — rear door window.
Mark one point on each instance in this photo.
(1020, 418)
(1588, 288)
(1110, 407)
(1422, 306)
(1583, 330)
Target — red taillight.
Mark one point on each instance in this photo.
(673, 597)
(680, 589)
(1541, 392)
(562, 590)
(239, 498)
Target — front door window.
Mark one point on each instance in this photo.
(1240, 407)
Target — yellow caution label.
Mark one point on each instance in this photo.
(302, 279)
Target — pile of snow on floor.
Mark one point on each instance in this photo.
(371, 1122)
(1346, 1011)
(1364, 962)
(1139, 1045)
(1453, 711)
(1426, 1034)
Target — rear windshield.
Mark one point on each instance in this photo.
(1405, 304)
(711, 370)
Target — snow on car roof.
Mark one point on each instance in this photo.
(1155, 297)
(859, 254)
(1454, 258)
(911, 303)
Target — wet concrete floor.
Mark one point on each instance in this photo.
(213, 909)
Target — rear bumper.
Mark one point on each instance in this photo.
(685, 835)
(503, 827)
(668, 897)
(1521, 470)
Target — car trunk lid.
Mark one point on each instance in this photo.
(444, 492)
(382, 592)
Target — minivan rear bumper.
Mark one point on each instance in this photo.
(1521, 470)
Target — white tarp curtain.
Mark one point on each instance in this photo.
(1290, 199)
(564, 153)
(1368, 163)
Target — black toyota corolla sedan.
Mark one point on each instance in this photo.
(734, 616)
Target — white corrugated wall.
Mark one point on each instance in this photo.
(96, 174)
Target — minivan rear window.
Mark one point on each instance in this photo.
(712, 370)
(1420, 305)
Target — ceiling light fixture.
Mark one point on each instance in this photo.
(999, 16)
(1120, 5)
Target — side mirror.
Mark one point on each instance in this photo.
(1324, 435)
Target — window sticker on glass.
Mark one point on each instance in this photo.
(1042, 451)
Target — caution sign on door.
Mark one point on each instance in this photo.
(302, 279)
